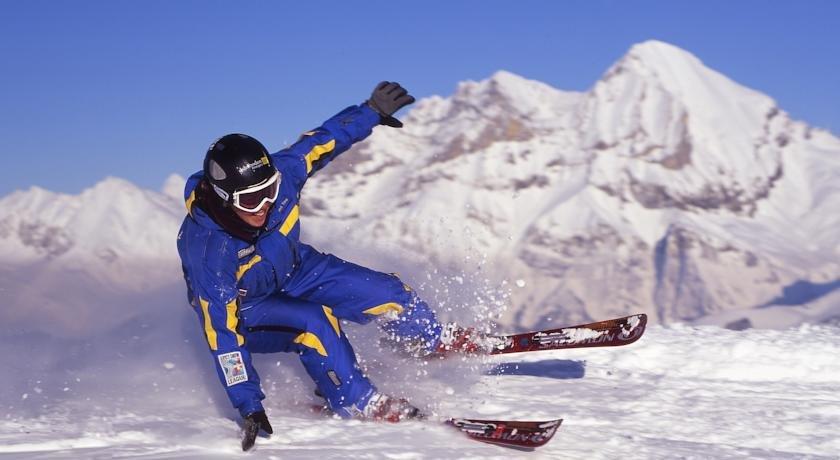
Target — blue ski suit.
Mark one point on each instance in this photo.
(279, 294)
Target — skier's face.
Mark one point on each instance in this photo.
(254, 219)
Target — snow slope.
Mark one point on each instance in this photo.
(680, 392)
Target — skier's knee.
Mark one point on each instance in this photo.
(319, 331)
(399, 298)
(415, 326)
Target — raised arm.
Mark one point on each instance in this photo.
(318, 147)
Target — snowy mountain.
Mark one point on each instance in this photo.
(68, 261)
(667, 189)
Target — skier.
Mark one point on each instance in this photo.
(258, 289)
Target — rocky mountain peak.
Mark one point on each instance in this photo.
(113, 217)
(505, 94)
(655, 58)
(667, 131)
(651, 190)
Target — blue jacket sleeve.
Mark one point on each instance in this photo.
(218, 309)
(318, 147)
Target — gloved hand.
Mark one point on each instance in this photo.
(386, 99)
(252, 426)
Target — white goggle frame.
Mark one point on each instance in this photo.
(256, 188)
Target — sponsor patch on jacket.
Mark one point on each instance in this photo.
(246, 252)
(233, 367)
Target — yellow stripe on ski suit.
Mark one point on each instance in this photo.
(231, 323)
(290, 221)
(245, 267)
(332, 319)
(312, 341)
(190, 201)
(385, 308)
(212, 340)
(317, 152)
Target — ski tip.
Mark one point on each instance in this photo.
(514, 434)
(632, 328)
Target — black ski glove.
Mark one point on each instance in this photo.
(386, 99)
(252, 426)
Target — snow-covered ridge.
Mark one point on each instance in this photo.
(112, 219)
(72, 265)
(666, 188)
(668, 132)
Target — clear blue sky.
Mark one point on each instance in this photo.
(138, 89)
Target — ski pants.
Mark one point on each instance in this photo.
(304, 318)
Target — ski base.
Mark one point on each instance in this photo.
(520, 435)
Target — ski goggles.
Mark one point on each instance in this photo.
(253, 198)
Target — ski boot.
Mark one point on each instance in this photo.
(379, 408)
(384, 408)
(466, 340)
(454, 339)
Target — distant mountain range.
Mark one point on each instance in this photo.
(667, 188)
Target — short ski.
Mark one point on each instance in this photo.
(609, 333)
(514, 434)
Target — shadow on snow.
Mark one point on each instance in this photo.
(802, 292)
(552, 368)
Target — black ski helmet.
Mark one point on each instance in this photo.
(236, 162)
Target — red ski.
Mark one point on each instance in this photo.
(514, 434)
(610, 333)
(521, 435)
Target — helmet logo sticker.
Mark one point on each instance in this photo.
(253, 166)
